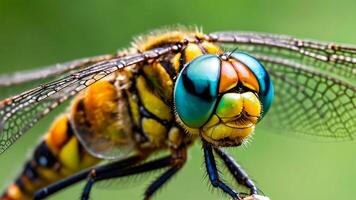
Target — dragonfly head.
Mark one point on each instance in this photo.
(222, 97)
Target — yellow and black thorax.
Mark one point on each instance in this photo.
(134, 109)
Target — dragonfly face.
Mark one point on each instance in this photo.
(222, 97)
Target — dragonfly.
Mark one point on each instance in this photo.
(173, 88)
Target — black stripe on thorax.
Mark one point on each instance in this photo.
(168, 66)
(143, 111)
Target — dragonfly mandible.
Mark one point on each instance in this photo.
(170, 89)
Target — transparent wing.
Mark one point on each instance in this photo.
(49, 71)
(338, 59)
(20, 81)
(315, 92)
(309, 102)
(21, 112)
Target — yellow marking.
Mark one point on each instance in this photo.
(48, 174)
(252, 105)
(88, 160)
(64, 171)
(214, 120)
(160, 80)
(211, 48)
(69, 155)
(242, 133)
(174, 137)
(222, 131)
(57, 135)
(176, 62)
(133, 102)
(192, 51)
(233, 125)
(151, 102)
(154, 130)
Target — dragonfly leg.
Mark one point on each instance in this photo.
(180, 160)
(213, 172)
(62, 184)
(236, 170)
(96, 176)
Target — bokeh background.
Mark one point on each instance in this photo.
(42, 32)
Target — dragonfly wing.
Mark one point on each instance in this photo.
(315, 92)
(338, 59)
(21, 112)
(20, 81)
(309, 102)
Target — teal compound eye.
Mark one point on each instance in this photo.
(196, 90)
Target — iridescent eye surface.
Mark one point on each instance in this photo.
(203, 85)
(266, 90)
(196, 90)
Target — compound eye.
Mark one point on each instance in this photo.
(264, 87)
(196, 90)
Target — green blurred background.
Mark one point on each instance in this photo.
(44, 32)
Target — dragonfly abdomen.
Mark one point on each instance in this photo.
(57, 156)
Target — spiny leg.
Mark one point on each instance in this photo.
(160, 181)
(236, 170)
(96, 176)
(213, 172)
(62, 184)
